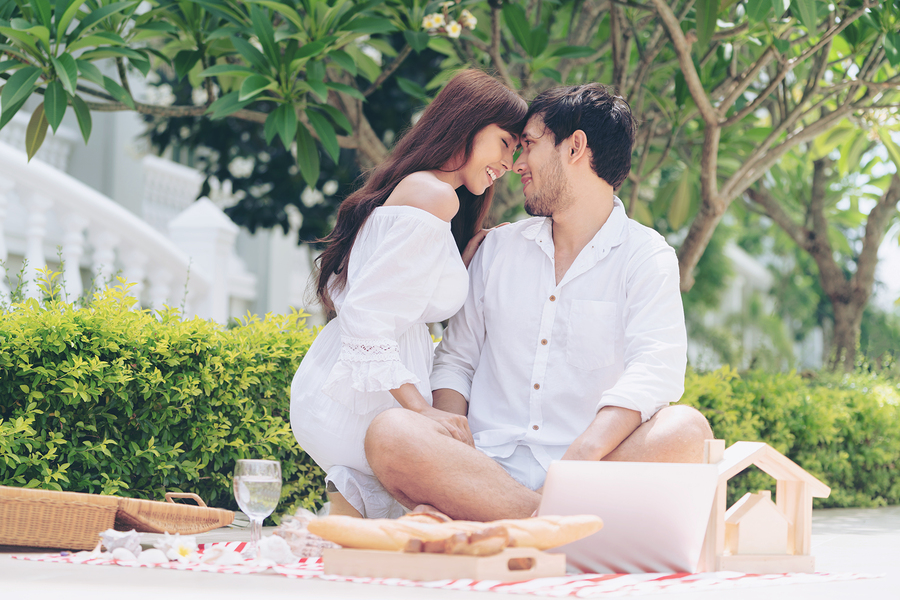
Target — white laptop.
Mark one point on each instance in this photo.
(654, 514)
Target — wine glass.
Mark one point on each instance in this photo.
(257, 489)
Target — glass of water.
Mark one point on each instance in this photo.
(257, 489)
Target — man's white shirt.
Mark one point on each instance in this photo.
(537, 360)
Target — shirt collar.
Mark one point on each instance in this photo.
(613, 232)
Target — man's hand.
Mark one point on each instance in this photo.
(457, 426)
(608, 429)
(474, 243)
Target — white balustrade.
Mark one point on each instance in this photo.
(135, 269)
(72, 251)
(160, 288)
(169, 188)
(103, 267)
(36, 229)
(6, 186)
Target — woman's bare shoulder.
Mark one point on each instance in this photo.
(425, 191)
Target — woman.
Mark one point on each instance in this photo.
(392, 265)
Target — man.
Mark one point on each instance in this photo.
(571, 343)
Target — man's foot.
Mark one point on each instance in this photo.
(340, 507)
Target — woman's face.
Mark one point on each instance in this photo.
(492, 156)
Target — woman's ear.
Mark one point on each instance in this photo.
(578, 146)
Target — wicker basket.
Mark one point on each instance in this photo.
(168, 517)
(47, 519)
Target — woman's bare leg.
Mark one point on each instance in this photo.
(340, 506)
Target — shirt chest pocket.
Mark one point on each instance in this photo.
(591, 340)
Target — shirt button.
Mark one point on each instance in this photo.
(543, 342)
(535, 427)
(552, 298)
(537, 386)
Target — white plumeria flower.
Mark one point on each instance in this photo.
(468, 19)
(430, 21)
(439, 20)
(447, 5)
(330, 187)
(454, 29)
(241, 167)
(176, 547)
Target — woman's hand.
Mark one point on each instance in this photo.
(475, 243)
(457, 426)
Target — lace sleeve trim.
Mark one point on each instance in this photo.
(369, 350)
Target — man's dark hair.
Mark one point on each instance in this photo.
(605, 119)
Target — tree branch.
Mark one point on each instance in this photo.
(877, 223)
(495, 45)
(772, 209)
(120, 64)
(683, 51)
(391, 68)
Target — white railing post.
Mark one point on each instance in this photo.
(135, 262)
(103, 258)
(72, 251)
(35, 230)
(6, 186)
(207, 235)
(159, 288)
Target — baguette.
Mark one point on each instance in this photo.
(394, 534)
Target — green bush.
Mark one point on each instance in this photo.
(842, 428)
(107, 399)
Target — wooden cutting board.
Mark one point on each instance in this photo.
(432, 567)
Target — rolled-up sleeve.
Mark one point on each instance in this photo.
(389, 292)
(655, 353)
(458, 353)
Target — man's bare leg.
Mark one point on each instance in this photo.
(418, 463)
(340, 506)
(674, 434)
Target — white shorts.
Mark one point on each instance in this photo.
(524, 467)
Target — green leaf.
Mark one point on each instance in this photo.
(573, 52)
(326, 133)
(369, 25)
(226, 105)
(226, 69)
(55, 103)
(118, 92)
(890, 145)
(19, 87)
(344, 60)
(262, 26)
(253, 56)
(83, 113)
(10, 110)
(707, 12)
(42, 10)
(184, 61)
(26, 40)
(98, 39)
(285, 123)
(8, 65)
(412, 88)
(255, 85)
(67, 71)
(89, 71)
(892, 48)
(346, 89)
(307, 156)
(806, 10)
(417, 40)
(780, 7)
(310, 49)
(95, 16)
(337, 117)
(681, 201)
(552, 74)
(68, 13)
(35, 132)
(517, 22)
(540, 37)
(283, 9)
(270, 127)
(758, 9)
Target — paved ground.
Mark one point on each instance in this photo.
(844, 541)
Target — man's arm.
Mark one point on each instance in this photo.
(608, 429)
(450, 401)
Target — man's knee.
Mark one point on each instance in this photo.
(688, 421)
(386, 432)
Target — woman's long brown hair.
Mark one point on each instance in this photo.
(471, 101)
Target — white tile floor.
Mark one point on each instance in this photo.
(844, 540)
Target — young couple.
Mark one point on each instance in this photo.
(566, 336)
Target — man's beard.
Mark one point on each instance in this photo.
(554, 196)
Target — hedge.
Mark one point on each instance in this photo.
(107, 399)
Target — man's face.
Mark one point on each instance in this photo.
(543, 177)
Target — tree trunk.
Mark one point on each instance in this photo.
(847, 320)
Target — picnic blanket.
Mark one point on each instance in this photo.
(589, 585)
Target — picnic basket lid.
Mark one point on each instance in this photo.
(150, 516)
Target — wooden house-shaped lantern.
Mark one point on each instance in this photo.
(757, 535)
